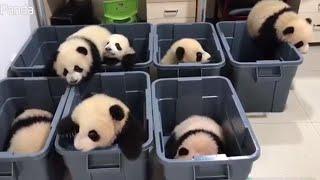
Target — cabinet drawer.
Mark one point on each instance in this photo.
(315, 22)
(309, 6)
(171, 10)
(171, 20)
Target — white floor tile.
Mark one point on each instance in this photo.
(293, 113)
(311, 60)
(307, 90)
(289, 151)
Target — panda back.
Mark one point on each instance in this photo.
(261, 12)
(198, 122)
(97, 34)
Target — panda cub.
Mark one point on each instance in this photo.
(272, 22)
(81, 54)
(100, 121)
(119, 50)
(29, 131)
(185, 50)
(195, 136)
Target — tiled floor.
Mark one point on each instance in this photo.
(290, 141)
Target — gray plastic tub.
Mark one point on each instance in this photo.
(17, 94)
(262, 85)
(167, 34)
(133, 88)
(178, 98)
(41, 46)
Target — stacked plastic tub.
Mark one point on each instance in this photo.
(167, 34)
(178, 98)
(133, 88)
(262, 85)
(17, 94)
(38, 51)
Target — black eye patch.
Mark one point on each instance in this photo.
(82, 50)
(199, 56)
(299, 44)
(118, 46)
(94, 136)
(65, 72)
(77, 69)
(116, 112)
(183, 151)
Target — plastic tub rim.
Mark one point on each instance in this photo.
(32, 69)
(189, 65)
(6, 156)
(157, 122)
(114, 149)
(254, 64)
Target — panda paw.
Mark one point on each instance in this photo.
(128, 61)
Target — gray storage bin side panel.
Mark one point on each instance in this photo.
(108, 163)
(224, 106)
(262, 85)
(21, 93)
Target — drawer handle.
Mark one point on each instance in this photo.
(170, 13)
(316, 27)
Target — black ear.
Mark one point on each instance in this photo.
(171, 147)
(82, 50)
(309, 20)
(128, 61)
(199, 56)
(180, 53)
(67, 126)
(288, 30)
(183, 151)
(131, 139)
(116, 112)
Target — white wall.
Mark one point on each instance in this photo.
(14, 30)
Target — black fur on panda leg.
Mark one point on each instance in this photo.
(67, 127)
(49, 66)
(128, 61)
(171, 147)
(131, 139)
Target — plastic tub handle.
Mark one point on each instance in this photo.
(97, 162)
(219, 171)
(272, 73)
(7, 170)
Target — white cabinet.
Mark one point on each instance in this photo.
(311, 9)
(160, 11)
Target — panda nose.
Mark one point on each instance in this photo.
(108, 49)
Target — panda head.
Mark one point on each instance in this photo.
(197, 144)
(73, 60)
(100, 121)
(190, 50)
(117, 47)
(298, 32)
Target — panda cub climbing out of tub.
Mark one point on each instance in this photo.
(29, 131)
(101, 121)
(195, 136)
(81, 54)
(119, 50)
(185, 50)
(272, 22)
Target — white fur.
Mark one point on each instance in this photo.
(111, 50)
(68, 57)
(97, 34)
(93, 114)
(200, 143)
(264, 9)
(31, 139)
(191, 46)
